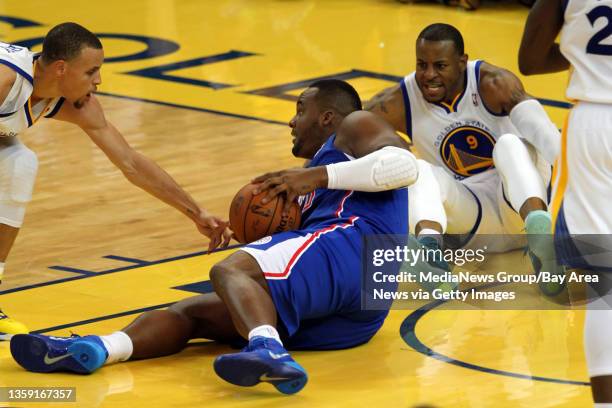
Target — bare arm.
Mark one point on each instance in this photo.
(500, 89)
(359, 134)
(539, 53)
(138, 169)
(363, 132)
(389, 104)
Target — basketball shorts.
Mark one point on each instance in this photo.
(314, 278)
(582, 189)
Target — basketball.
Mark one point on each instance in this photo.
(251, 220)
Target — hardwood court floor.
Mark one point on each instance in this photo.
(205, 88)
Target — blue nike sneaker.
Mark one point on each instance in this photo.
(263, 360)
(45, 354)
(538, 227)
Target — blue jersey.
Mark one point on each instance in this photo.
(385, 212)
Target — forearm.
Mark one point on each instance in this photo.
(146, 174)
(534, 125)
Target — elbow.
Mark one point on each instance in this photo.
(526, 67)
(129, 168)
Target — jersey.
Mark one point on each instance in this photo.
(459, 137)
(586, 42)
(314, 274)
(16, 111)
(386, 212)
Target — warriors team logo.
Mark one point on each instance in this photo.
(468, 150)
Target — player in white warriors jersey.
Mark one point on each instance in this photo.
(60, 84)
(485, 146)
(583, 173)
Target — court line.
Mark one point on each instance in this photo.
(101, 318)
(543, 101)
(408, 334)
(193, 108)
(126, 259)
(125, 268)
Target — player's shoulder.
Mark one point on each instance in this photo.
(492, 77)
(361, 122)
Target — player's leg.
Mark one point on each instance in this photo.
(240, 283)
(153, 334)
(597, 334)
(18, 168)
(525, 176)
(438, 204)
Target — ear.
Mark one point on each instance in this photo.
(463, 61)
(327, 118)
(59, 67)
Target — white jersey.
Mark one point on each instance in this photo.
(458, 137)
(586, 42)
(17, 112)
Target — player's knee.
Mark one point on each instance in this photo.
(18, 169)
(507, 144)
(221, 274)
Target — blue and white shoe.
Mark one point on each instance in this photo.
(263, 360)
(45, 354)
(538, 227)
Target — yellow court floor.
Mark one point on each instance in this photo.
(206, 88)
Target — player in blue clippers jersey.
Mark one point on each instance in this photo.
(293, 290)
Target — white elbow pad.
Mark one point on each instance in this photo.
(534, 125)
(385, 169)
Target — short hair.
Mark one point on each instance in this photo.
(443, 32)
(337, 95)
(65, 42)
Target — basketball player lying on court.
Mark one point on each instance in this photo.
(60, 83)
(486, 150)
(294, 290)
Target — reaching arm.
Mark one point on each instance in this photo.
(140, 170)
(539, 53)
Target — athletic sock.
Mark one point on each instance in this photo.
(265, 331)
(429, 232)
(119, 346)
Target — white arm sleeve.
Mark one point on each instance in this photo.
(534, 125)
(385, 169)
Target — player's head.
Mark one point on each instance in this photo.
(73, 55)
(319, 111)
(441, 62)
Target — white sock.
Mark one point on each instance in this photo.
(265, 331)
(1, 271)
(603, 405)
(119, 346)
(428, 232)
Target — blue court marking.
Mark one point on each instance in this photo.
(193, 108)
(408, 334)
(73, 270)
(197, 287)
(126, 259)
(125, 268)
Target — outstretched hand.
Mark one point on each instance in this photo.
(216, 229)
(291, 182)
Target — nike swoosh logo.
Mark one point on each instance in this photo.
(277, 356)
(264, 377)
(48, 360)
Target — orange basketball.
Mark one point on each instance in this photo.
(251, 220)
